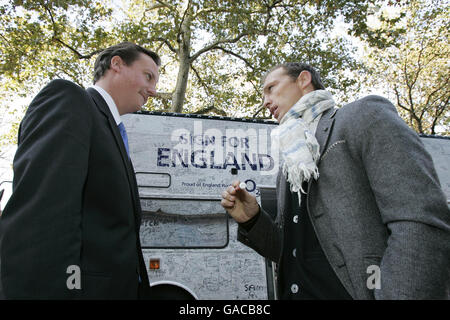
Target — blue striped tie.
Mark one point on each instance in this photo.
(123, 133)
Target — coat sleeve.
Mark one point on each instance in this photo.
(264, 237)
(41, 224)
(416, 262)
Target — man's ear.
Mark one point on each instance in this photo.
(304, 79)
(116, 63)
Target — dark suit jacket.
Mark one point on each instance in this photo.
(377, 202)
(75, 203)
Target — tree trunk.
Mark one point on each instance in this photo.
(180, 89)
(183, 72)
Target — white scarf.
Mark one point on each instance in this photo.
(298, 147)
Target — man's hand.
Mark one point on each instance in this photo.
(240, 204)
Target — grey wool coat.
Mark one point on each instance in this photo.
(377, 202)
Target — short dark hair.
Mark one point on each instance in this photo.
(128, 51)
(293, 70)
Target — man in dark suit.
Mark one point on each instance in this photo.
(71, 227)
(361, 214)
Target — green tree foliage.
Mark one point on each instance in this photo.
(214, 51)
(41, 40)
(416, 70)
(222, 48)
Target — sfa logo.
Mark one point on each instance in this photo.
(215, 149)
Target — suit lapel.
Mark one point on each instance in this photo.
(323, 133)
(324, 129)
(103, 107)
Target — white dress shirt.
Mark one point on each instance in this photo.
(110, 102)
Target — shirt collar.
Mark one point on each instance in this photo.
(110, 102)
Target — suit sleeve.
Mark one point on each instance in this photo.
(416, 263)
(41, 225)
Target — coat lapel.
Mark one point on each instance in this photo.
(323, 133)
(103, 107)
(324, 129)
(283, 196)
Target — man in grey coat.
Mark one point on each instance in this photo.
(360, 211)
